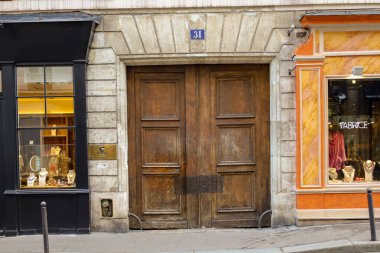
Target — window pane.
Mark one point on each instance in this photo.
(31, 112)
(354, 136)
(45, 101)
(47, 158)
(59, 81)
(59, 111)
(30, 81)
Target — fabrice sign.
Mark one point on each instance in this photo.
(353, 125)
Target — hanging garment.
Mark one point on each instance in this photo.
(337, 153)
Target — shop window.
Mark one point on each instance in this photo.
(354, 131)
(46, 127)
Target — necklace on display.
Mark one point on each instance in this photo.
(368, 165)
(31, 179)
(348, 172)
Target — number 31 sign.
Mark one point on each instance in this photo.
(197, 34)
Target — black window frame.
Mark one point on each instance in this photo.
(18, 128)
(10, 128)
(1, 82)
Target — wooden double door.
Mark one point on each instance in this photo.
(199, 145)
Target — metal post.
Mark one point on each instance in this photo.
(45, 226)
(371, 215)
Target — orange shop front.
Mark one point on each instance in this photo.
(338, 116)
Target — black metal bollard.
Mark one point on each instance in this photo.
(371, 215)
(45, 226)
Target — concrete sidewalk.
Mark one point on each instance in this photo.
(335, 238)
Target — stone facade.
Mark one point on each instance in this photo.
(156, 33)
(233, 36)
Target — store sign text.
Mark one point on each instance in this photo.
(353, 125)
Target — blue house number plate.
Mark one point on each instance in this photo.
(197, 34)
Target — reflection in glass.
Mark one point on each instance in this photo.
(59, 81)
(354, 133)
(46, 133)
(60, 111)
(46, 160)
(60, 105)
(31, 112)
(30, 81)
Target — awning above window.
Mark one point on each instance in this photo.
(46, 37)
(340, 17)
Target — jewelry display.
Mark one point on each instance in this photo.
(35, 163)
(71, 177)
(57, 150)
(349, 173)
(332, 173)
(52, 151)
(31, 179)
(368, 167)
(42, 177)
(64, 162)
(53, 131)
(20, 162)
(47, 154)
(53, 167)
(52, 182)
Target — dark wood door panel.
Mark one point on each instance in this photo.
(158, 140)
(161, 146)
(244, 183)
(238, 99)
(199, 145)
(235, 144)
(166, 92)
(159, 195)
(234, 96)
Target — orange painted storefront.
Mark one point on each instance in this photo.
(337, 42)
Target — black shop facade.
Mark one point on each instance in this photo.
(43, 155)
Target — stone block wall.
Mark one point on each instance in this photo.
(151, 38)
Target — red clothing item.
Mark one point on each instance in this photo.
(337, 153)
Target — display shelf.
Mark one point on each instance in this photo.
(49, 187)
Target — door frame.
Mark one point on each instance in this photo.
(191, 139)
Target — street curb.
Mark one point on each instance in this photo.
(339, 246)
(366, 246)
(263, 250)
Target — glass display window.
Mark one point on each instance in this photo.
(353, 131)
(46, 127)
